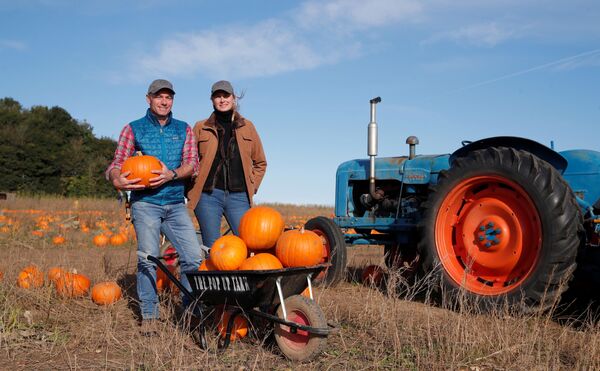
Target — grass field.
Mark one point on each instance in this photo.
(379, 329)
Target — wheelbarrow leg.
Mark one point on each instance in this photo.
(224, 342)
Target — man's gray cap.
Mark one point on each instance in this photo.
(222, 85)
(158, 85)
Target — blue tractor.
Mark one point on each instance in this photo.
(500, 219)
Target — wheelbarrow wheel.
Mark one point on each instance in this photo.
(334, 249)
(300, 345)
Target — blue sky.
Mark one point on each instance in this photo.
(447, 70)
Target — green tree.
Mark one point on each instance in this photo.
(45, 150)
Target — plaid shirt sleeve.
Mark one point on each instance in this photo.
(125, 148)
(190, 151)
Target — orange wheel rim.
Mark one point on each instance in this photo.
(488, 235)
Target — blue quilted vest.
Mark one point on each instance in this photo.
(165, 143)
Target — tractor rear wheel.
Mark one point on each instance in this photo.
(334, 249)
(501, 226)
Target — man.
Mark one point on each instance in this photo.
(159, 207)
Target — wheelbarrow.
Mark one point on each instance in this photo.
(270, 297)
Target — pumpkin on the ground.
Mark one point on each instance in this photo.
(72, 284)
(30, 277)
(118, 239)
(262, 261)
(141, 167)
(260, 227)
(240, 326)
(100, 240)
(299, 248)
(228, 252)
(58, 240)
(105, 293)
(54, 273)
(163, 283)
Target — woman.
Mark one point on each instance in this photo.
(232, 165)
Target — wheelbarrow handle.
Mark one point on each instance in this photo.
(172, 277)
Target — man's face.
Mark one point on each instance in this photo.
(161, 102)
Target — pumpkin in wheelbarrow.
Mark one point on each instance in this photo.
(299, 248)
(228, 253)
(260, 227)
(261, 262)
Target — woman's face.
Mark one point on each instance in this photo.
(222, 101)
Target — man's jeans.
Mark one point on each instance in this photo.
(211, 208)
(174, 221)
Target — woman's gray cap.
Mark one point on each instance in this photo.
(222, 85)
(158, 85)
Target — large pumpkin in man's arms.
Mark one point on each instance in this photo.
(141, 167)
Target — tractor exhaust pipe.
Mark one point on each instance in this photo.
(372, 150)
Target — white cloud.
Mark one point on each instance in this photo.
(317, 33)
(314, 34)
(482, 34)
(265, 49)
(13, 44)
(357, 14)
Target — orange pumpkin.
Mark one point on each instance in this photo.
(240, 326)
(72, 285)
(260, 262)
(228, 253)
(105, 293)
(163, 283)
(30, 277)
(260, 227)
(141, 167)
(54, 273)
(299, 248)
(306, 293)
(207, 265)
(118, 239)
(58, 240)
(100, 240)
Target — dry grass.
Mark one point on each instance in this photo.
(379, 330)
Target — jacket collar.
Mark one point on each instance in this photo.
(152, 117)
(238, 121)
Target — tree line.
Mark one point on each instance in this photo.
(46, 151)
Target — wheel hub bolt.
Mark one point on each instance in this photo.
(489, 234)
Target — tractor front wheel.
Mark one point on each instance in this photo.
(501, 224)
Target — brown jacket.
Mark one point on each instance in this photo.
(254, 161)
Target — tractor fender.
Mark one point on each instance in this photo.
(550, 156)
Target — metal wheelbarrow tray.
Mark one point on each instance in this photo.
(298, 322)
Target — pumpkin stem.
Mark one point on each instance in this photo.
(302, 229)
(139, 153)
